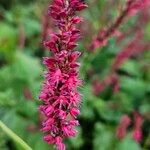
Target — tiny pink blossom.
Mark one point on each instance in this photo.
(74, 112)
(59, 143)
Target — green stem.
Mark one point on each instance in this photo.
(14, 137)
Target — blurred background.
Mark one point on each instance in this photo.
(115, 109)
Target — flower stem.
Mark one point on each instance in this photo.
(14, 137)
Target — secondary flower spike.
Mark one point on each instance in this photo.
(59, 92)
(131, 8)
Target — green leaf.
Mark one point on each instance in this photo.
(26, 67)
(103, 137)
(7, 98)
(8, 41)
(28, 105)
(135, 87)
(128, 144)
(89, 102)
(32, 27)
(36, 141)
(131, 67)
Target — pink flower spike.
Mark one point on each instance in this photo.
(137, 131)
(131, 8)
(122, 127)
(59, 92)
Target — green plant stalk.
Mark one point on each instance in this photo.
(14, 137)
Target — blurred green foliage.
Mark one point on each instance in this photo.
(21, 74)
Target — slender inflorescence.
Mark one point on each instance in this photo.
(133, 48)
(136, 125)
(137, 130)
(122, 127)
(59, 93)
(132, 6)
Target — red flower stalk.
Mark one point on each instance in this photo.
(125, 54)
(135, 5)
(124, 124)
(137, 131)
(132, 6)
(59, 93)
(134, 47)
(140, 24)
(122, 127)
